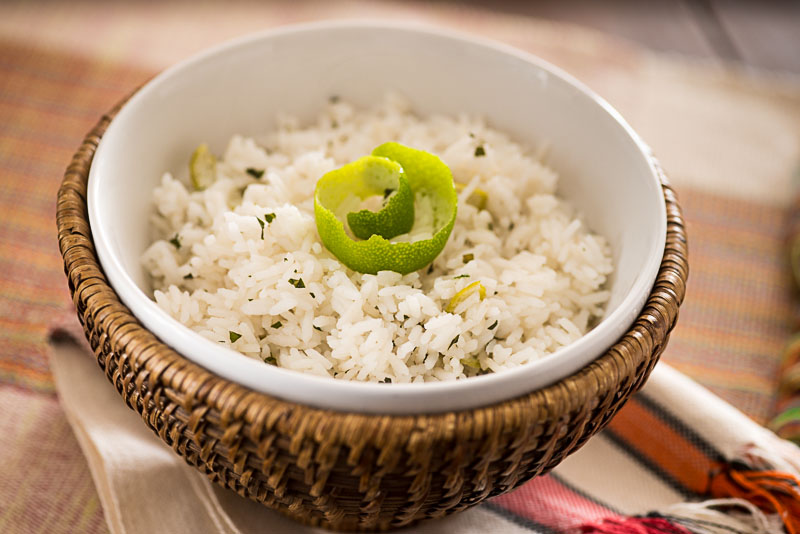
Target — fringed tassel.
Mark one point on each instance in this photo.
(753, 498)
(634, 525)
(772, 491)
(717, 516)
(772, 453)
(722, 516)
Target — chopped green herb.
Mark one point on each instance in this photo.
(461, 276)
(494, 325)
(480, 151)
(234, 336)
(472, 135)
(255, 173)
(297, 282)
(188, 276)
(176, 242)
(318, 329)
(471, 362)
(249, 300)
(276, 324)
(490, 226)
(269, 217)
(455, 340)
(261, 224)
(312, 294)
(387, 380)
(477, 198)
(466, 258)
(271, 360)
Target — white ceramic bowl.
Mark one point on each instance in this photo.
(239, 87)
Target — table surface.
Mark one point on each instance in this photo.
(762, 34)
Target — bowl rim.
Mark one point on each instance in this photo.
(361, 397)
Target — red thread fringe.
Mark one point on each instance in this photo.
(634, 525)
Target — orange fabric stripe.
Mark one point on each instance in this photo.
(657, 441)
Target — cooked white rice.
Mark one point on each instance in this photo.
(543, 271)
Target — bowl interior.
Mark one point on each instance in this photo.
(239, 87)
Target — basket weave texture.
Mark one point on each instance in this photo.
(350, 471)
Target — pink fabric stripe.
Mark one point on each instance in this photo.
(551, 503)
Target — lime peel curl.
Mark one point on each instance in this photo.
(202, 168)
(464, 294)
(377, 176)
(393, 164)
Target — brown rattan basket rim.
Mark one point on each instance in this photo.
(349, 470)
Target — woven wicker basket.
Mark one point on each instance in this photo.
(341, 470)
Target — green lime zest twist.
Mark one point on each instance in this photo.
(378, 176)
(404, 173)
